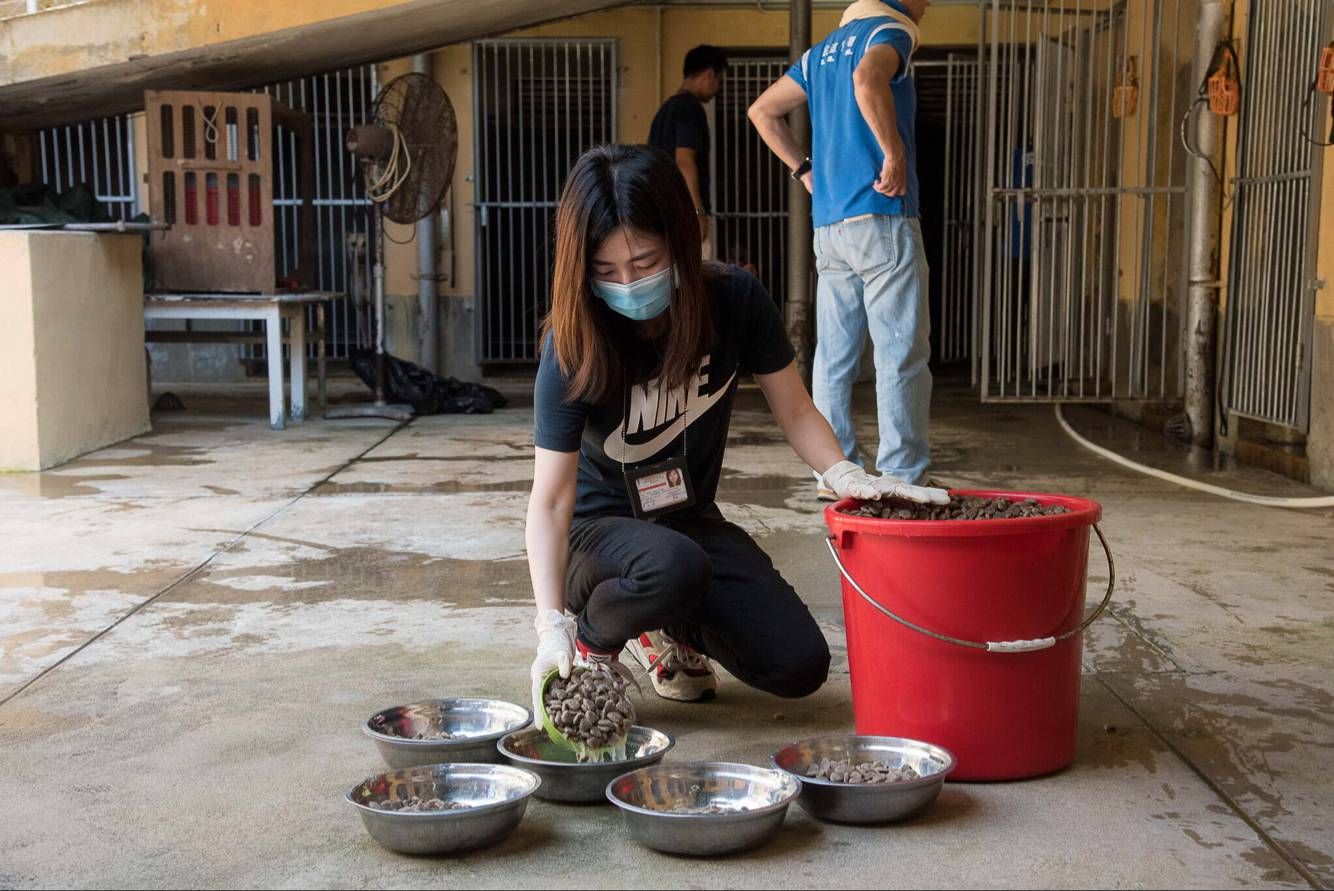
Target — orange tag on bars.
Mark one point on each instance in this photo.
(1126, 95)
(1224, 94)
(1324, 78)
(1223, 85)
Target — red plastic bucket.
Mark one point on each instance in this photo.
(969, 634)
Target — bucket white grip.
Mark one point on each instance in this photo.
(1020, 646)
(1001, 646)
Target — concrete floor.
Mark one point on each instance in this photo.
(194, 623)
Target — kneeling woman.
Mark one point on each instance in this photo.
(640, 361)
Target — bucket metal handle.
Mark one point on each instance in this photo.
(995, 646)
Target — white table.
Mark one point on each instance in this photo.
(271, 309)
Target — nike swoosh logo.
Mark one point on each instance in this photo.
(642, 451)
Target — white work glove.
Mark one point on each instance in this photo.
(847, 480)
(893, 487)
(555, 650)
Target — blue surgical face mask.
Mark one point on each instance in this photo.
(642, 299)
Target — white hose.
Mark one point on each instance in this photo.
(1266, 500)
(395, 172)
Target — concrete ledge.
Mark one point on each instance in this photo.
(72, 363)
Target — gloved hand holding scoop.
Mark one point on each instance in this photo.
(555, 651)
(589, 712)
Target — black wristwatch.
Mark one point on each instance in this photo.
(802, 169)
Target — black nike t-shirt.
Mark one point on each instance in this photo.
(750, 338)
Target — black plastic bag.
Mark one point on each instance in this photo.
(427, 393)
(35, 203)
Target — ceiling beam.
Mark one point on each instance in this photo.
(395, 30)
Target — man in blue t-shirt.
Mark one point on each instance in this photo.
(862, 175)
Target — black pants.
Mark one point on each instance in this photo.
(703, 581)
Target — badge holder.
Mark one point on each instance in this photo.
(659, 488)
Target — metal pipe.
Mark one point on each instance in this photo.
(377, 290)
(428, 303)
(1203, 239)
(799, 311)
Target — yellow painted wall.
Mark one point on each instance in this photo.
(18, 351)
(72, 373)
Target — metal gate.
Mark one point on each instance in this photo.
(1084, 272)
(98, 153)
(749, 181)
(538, 105)
(335, 100)
(948, 106)
(1271, 281)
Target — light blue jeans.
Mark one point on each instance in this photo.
(873, 273)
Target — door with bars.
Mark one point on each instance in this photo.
(947, 157)
(538, 105)
(101, 154)
(1083, 276)
(749, 181)
(1271, 295)
(335, 100)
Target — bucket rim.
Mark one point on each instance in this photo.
(1083, 512)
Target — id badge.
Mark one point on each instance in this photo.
(659, 488)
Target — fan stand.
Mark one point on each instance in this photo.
(379, 408)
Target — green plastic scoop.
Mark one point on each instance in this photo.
(613, 751)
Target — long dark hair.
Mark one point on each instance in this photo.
(610, 188)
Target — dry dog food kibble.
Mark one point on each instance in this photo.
(435, 734)
(961, 507)
(709, 810)
(591, 707)
(381, 724)
(866, 773)
(416, 805)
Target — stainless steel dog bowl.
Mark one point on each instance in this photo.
(496, 796)
(652, 800)
(852, 803)
(479, 722)
(564, 778)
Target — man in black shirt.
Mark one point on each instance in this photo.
(681, 128)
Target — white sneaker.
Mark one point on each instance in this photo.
(677, 671)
